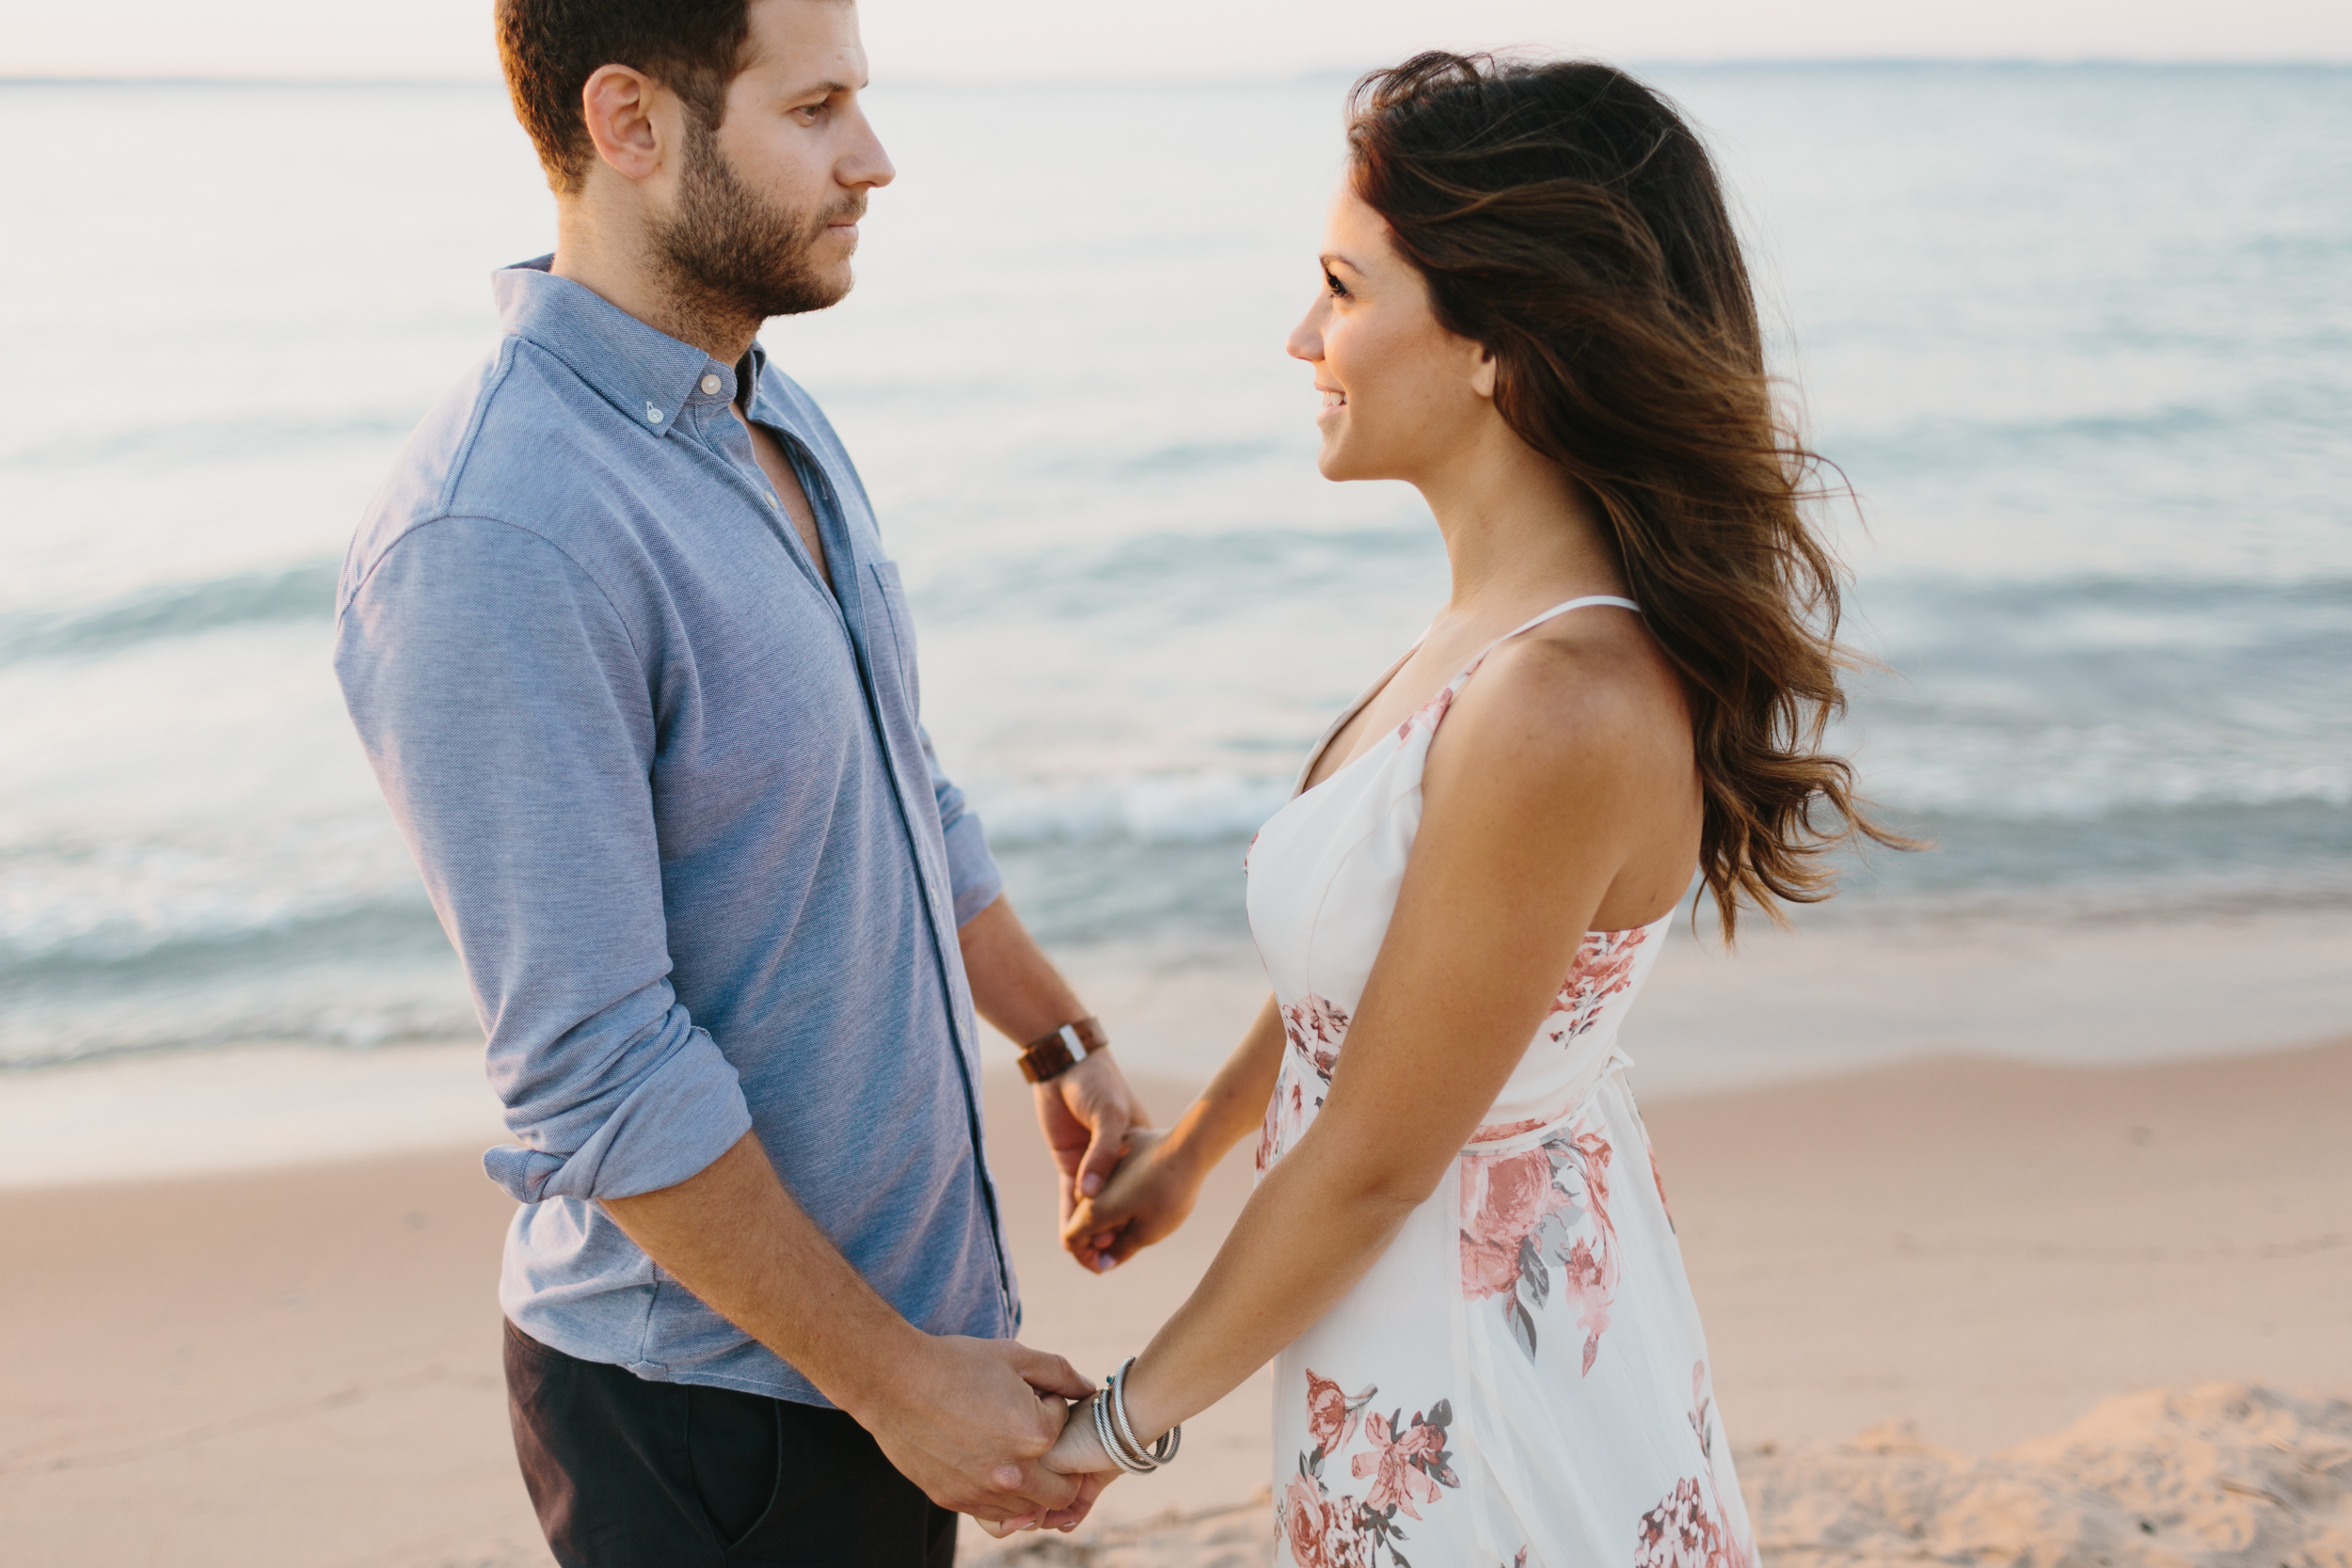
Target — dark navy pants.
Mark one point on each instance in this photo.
(630, 1474)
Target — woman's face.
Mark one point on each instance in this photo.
(1400, 392)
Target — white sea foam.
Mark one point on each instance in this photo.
(1158, 809)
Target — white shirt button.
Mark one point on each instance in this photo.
(653, 415)
(710, 386)
(771, 499)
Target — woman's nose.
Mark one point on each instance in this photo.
(1306, 338)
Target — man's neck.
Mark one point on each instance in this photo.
(615, 262)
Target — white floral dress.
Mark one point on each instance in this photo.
(1521, 1379)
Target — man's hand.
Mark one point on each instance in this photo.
(968, 1421)
(1086, 1115)
(1078, 1453)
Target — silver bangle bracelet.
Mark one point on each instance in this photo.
(1155, 1454)
(1109, 1439)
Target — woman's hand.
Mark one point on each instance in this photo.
(1077, 1452)
(1146, 1200)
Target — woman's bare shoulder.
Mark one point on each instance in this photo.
(1573, 706)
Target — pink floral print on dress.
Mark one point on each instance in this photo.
(1690, 1529)
(1315, 1029)
(1408, 1462)
(1431, 713)
(1331, 1415)
(1520, 1215)
(1683, 1532)
(1286, 1118)
(1604, 968)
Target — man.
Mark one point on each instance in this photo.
(621, 640)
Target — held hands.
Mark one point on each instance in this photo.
(1147, 1197)
(970, 1421)
(1077, 1454)
(1149, 1194)
(1088, 1115)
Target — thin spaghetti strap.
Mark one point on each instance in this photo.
(1315, 758)
(1533, 622)
(1562, 609)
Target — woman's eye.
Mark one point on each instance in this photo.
(1338, 290)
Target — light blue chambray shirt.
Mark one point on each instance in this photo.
(675, 808)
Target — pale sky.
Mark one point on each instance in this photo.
(1032, 40)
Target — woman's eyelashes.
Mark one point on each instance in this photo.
(1337, 289)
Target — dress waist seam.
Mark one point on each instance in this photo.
(1511, 1137)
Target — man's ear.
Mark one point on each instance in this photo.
(617, 103)
(1483, 372)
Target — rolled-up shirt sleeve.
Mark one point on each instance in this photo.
(510, 719)
(972, 872)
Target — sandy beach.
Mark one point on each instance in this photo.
(1916, 1279)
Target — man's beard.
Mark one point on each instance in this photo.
(734, 258)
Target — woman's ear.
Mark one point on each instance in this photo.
(1483, 372)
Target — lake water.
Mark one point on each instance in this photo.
(2081, 337)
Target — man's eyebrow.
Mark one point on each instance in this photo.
(830, 89)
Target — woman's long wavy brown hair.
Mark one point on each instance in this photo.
(1568, 219)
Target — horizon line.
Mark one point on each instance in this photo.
(1319, 73)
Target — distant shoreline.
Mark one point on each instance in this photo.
(1337, 77)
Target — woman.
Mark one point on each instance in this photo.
(1534, 312)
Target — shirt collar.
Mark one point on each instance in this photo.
(645, 374)
(754, 364)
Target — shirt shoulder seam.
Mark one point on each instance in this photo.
(446, 498)
(447, 516)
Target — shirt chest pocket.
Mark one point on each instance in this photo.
(892, 634)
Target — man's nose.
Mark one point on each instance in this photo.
(866, 165)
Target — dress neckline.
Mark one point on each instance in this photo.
(1299, 787)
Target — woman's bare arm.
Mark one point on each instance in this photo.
(1550, 787)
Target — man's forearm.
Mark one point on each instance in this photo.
(1084, 1114)
(964, 1418)
(735, 1238)
(1014, 985)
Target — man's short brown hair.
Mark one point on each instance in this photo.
(549, 48)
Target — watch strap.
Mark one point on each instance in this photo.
(1065, 1048)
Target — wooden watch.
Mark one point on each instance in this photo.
(1062, 1049)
